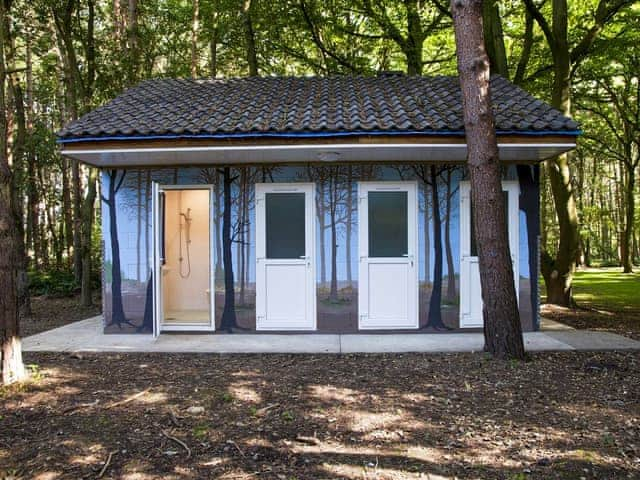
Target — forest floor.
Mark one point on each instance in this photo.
(141, 416)
(52, 312)
(607, 300)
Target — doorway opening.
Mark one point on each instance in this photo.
(184, 256)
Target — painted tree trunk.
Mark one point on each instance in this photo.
(452, 295)
(349, 225)
(333, 206)
(117, 314)
(228, 321)
(427, 241)
(502, 328)
(435, 302)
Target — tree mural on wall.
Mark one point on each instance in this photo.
(429, 175)
(117, 309)
(331, 199)
(452, 293)
(228, 322)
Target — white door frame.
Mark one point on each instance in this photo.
(158, 306)
(467, 262)
(412, 258)
(310, 251)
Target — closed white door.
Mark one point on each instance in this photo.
(470, 290)
(285, 257)
(388, 273)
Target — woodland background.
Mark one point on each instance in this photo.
(62, 58)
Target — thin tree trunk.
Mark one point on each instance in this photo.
(333, 206)
(88, 209)
(66, 208)
(434, 319)
(627, 254)
(451, 276)
(349, 224)
(249, 38)
(427, 241)
(195, 27)
(138, 224)
(229, 312)
(502, 328)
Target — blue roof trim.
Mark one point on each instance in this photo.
(533, 133)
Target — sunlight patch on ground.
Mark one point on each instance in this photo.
(47, 476)
(152, 397)
(329, 393)
(371, 471)
(245, 392)
(214, 462)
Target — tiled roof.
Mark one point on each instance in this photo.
(308, 105)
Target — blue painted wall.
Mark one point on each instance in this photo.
(336, 190)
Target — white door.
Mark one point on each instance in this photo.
(285, 257)
(155, 260)
(388, 238)
(470, 290)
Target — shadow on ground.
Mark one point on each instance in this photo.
(561, 415)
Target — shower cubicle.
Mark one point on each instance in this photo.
(184, 255)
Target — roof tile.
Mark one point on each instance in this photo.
(337, 104)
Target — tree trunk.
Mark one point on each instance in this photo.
(494, 38)
(627, 235)
(249, 38)
(88, 209)
(502, 329)
(195, 27)
(11, 366)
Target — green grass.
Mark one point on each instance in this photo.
(607, 287)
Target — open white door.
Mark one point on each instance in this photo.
(388, 238)
(156, 260)
(285, 256)
(470, 290)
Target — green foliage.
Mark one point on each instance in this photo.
(55, 283)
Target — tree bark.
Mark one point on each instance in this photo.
(627, 235)
(502, 328)
(249, 38)
(11, 366)
(494, 38)
(88, 209)
(195, 27)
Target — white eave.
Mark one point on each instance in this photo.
(300, 153)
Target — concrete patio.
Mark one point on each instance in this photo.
(87, 336)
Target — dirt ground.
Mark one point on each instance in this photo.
(625, 322)
(148, 416)
(51, 313)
